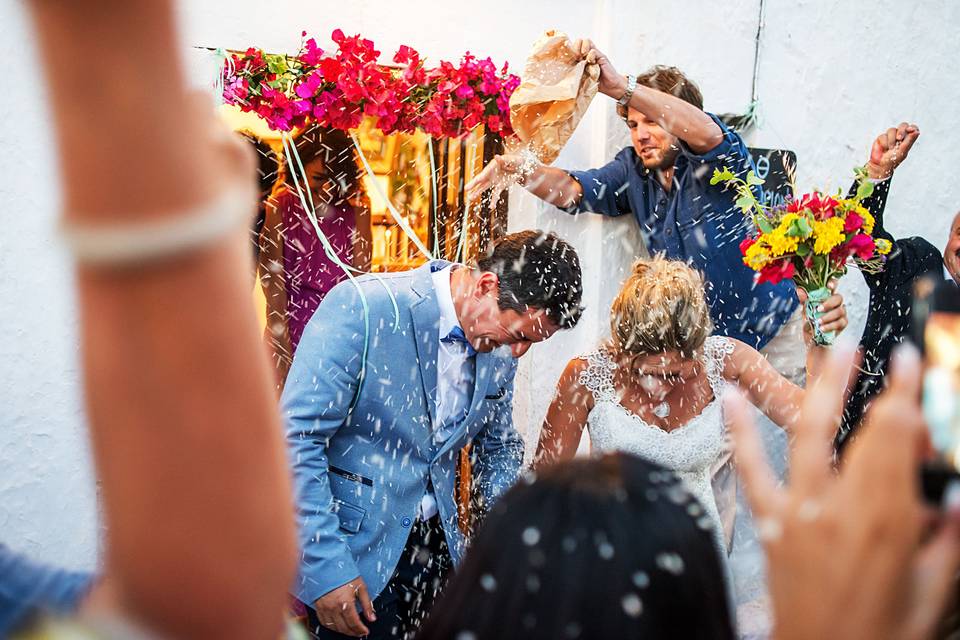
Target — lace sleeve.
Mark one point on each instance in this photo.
(716, 350)
(598, 376)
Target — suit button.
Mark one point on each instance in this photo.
(406, 522)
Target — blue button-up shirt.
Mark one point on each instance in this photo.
(700, 224)
(28, 587)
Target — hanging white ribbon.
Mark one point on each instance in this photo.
(294, 162)
(401, 222)
(433, 186)
(225, 67)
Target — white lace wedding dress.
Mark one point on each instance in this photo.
(691, 450)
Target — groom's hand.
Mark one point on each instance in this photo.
(337, 610)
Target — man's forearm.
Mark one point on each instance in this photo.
(554, 186)
(678, 117)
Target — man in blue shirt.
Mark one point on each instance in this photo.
(663, 180)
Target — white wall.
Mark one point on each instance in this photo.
(47, 493)
(832, 75)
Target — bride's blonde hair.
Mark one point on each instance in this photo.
(661, 307)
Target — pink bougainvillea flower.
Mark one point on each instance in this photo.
(308, 88)
(312, 54)
(331, 68)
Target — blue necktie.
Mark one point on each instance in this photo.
(456, 335)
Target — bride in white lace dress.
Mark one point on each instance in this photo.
(656, 388)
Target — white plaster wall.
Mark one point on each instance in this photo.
(832, 75)
(47, 493)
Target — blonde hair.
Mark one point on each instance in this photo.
(661, 307)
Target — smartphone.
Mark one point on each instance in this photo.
(936, 331)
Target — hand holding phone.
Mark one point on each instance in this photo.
(936, 320)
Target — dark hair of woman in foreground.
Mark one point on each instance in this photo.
(604, 548)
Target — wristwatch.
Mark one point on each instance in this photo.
(631, 87)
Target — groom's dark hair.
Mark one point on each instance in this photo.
(537, 270)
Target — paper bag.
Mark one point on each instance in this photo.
(555, 92)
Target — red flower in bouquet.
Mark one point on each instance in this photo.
(862, 246)
(853, 222)
(776, 271)
(823, 207)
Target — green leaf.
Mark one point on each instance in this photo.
(745, 202)
(276, 63)
(819, 262)
(803, 250)
(752, 179)
(800, 228)
(864, 189)
(724, 175)
(764, 224)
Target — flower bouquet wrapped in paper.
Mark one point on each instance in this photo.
(811, 239)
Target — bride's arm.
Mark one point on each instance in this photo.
(566, 417)
(777, 397)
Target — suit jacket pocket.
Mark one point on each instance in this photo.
(349, 475)
(351, 516)
(498, 395)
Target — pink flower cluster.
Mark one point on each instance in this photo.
(337, 89)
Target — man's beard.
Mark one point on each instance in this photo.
(666, 160)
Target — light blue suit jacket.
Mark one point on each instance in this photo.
(362, 458)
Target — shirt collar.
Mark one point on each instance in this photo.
(448, 314)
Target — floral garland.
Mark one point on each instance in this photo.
(337, 89)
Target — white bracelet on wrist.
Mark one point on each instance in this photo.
(134, 244)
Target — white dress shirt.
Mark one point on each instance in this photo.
(455, 376)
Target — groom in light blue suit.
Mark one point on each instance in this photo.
(394, 375)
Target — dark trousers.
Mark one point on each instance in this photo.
(406, 600)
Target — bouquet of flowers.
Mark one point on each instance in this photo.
(337, 89)
(811, 239)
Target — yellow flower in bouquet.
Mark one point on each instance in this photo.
(780, 243)
(868, 220)
(828, 235)
(757, 256)
(811, 239)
